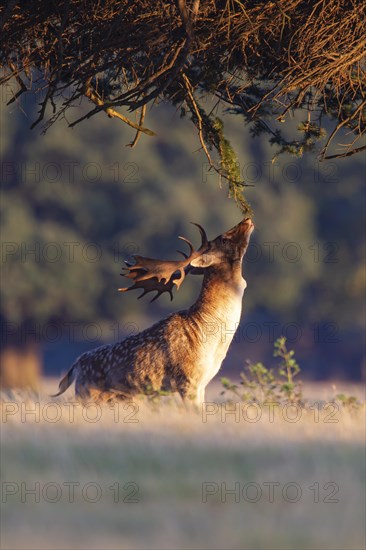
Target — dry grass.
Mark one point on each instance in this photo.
(170, 453)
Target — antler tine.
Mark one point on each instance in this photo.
(183, 253)
(203, 234)
(189, 244)
(148, 285)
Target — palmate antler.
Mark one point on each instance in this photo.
(151, 274)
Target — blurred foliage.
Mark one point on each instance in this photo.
(83, 202)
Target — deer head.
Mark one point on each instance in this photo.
(151, 274)
(227, 248)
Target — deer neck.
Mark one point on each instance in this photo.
(221, 295)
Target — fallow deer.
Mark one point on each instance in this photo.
(184, 351)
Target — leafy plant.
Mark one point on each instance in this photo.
(260, 384)
(349, 402)
(288, 370)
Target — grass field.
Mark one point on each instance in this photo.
(142, 477)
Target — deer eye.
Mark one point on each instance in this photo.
(224, 240)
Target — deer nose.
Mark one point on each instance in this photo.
(248, 222)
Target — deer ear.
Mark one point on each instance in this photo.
(205, 260)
